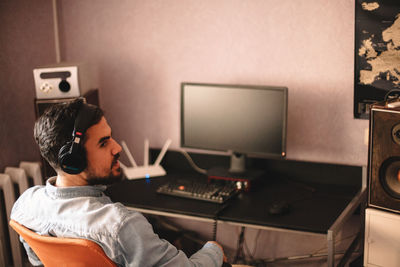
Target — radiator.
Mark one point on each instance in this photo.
(33, 172)
(18, 176)
(7, 187)
(13, 182)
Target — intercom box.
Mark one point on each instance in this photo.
(64, 80)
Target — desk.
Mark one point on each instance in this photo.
(316, 208)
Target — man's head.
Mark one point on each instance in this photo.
(54, 130)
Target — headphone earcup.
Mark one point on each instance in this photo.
(72, 158)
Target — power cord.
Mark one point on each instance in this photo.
(216, 215)
(191, 162)
(336, 242)
(394, 93)
(252, 254)
(308, 256)
(215, 229)
(240, 255)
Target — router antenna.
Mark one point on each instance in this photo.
(128, 153)
(146, 152)
(162, 153)
(147, 170)
(122, 165)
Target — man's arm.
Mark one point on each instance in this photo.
(140, 246)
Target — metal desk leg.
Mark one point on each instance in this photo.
(331, 248)
(358, 199)
(333, 230)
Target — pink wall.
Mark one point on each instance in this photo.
(26, 41)
(145, 49)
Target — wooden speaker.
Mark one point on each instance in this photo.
(384, 156)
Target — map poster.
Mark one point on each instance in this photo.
(377, 53)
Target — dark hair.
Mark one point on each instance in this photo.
(54, 127)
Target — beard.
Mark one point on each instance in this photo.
(109, 178)
(105, 180)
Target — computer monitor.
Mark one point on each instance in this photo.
(241, 119)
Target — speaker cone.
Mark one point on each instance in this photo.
(396, 134)
(390, 177)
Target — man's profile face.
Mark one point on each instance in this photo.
(102, 153)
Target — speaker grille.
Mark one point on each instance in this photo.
(384, 159)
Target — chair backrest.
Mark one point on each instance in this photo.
(57, 251)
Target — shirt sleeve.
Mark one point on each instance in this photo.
(140, 246)
(33, 259)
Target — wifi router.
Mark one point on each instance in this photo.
(145, 171)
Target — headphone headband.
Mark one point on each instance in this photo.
(82, 122)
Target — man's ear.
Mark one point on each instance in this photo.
(85, 173)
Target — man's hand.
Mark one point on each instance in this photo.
(223, 253)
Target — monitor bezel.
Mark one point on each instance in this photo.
(237, 86)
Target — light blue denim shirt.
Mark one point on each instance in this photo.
(86, 212)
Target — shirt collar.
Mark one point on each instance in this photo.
(73, 191)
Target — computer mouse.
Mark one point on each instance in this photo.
(279, 208)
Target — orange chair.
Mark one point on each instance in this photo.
(56, 251)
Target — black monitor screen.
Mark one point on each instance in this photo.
(237, 118)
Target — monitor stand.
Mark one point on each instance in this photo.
(237, 172)
(238, 163)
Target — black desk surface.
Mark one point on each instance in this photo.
(314, 207)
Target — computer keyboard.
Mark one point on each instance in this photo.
(211, 192)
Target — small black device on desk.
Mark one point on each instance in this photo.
(279, 208)
(200, 190)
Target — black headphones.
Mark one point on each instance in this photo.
(72, 156)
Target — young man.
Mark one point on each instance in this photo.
(76, 140)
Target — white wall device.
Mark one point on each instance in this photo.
(64, 80)
(145, 171)
(381, 246)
